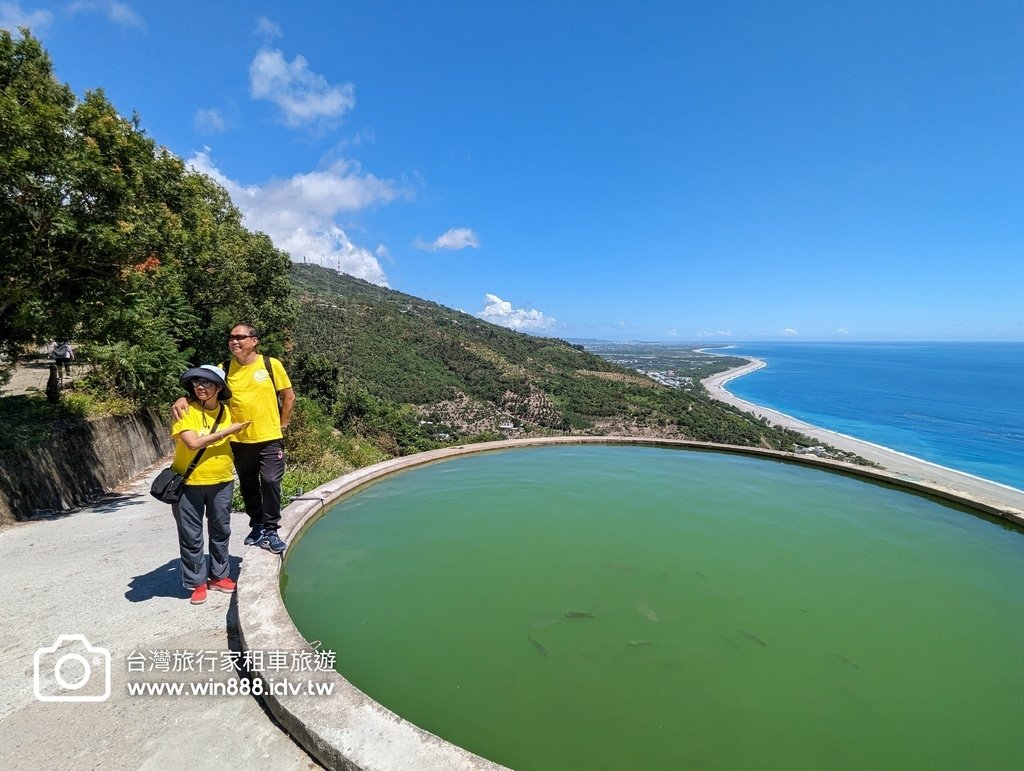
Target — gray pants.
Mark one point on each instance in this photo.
(215, 500)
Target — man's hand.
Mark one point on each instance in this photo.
(179, 408)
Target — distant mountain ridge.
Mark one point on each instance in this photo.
(467, 376)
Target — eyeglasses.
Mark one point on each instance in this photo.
(239, 337)
(201, 383)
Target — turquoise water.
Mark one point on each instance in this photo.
(623, 607)
(955, 404)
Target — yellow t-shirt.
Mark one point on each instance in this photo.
(253, 398)
(216, 465)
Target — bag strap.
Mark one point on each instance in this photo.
(199, 455)
(270, 371)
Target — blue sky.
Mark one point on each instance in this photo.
(648, 170)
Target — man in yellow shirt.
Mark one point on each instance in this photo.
(256, 382)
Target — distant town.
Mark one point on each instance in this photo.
(670, 364)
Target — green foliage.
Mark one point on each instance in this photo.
(138, 372)
(91, 402)
(485, 436)
(393, 428)
(317, 454)
(315, 376)
(309, 439)
(111, 242)
(31, 421)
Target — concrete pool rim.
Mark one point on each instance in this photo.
(348, 729)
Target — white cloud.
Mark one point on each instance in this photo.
(267, 28)
(298, 213)
(717, 333)
(303, 96)
(672, 333)
(210, 121)
(340, 187)
(123, 14)
(500, 312)
(363, 136)
(842, 332)
(790, 331)
(454, 239)
(13, 16)
(119, 13)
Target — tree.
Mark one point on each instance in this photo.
(112, 241)
(316, 376)
(35, 148)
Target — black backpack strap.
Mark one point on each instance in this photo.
(270, 371)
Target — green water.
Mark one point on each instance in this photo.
(746, 613)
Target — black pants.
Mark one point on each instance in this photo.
(260, 467)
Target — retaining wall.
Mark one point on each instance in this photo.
(85, 460)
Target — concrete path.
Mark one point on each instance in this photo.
(110, 572)
(31, 377)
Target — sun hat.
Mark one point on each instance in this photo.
(206, 372)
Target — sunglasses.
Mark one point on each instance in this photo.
(202, 383)
(239, 337)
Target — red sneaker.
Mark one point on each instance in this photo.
(223, 585)
(199, 595)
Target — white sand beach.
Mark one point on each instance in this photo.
(898, 463)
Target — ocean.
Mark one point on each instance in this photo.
(958, 405)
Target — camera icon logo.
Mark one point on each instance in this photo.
(63, 670)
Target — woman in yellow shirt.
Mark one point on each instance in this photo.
(208, 486)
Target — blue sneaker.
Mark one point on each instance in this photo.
(255, 535)
(272, 542)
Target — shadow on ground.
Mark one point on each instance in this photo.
(165, 581)
(107, 503)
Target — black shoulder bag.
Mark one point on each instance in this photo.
(169, 484)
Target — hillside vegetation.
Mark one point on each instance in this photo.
(365, 351)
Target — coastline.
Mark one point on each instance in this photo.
(901, 464)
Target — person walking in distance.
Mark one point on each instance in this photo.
(63, 354)
(262, 396)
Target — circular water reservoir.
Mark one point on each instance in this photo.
(642, 607)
